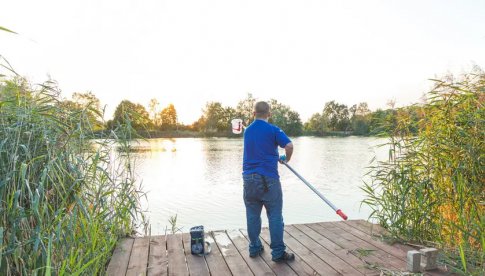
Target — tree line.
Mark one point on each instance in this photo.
(215, 120)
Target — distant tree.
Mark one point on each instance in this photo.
(316, 125)
(168, 117)
(87, 100)
(198, 125)
(245, 109)
(153, 106)
(229, 114)
(362, 109)
(360, 118)
(88, 103)
(337, 115)
(215, 118)
(383, 122)
(285, 118)
(134, 113)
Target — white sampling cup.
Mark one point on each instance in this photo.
(237, 126)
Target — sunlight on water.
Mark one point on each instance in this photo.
(199, 179)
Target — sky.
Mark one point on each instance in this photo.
(188, 52)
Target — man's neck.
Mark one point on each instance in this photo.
(263, 119)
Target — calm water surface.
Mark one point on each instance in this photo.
(199, 179)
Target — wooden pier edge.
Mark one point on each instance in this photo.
(327, 248)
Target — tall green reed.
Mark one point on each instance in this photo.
(66, 198)
(432, 188)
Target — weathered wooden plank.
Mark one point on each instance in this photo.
(397, 262)
(196, 264)
(347, 244)
(365, 226)
(257, 265)
(328, 257)
(376, 231)
(139, 257)
(176, 255)
(121, 257)
(339, 251)
(379, 244)
(231, 255)
(216, 263)
(305, 263)
(360, 248)
(279, 268)
(157, 257)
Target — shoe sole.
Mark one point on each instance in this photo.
(283, 259)
(258, 254)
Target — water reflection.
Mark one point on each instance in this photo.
(200, 180)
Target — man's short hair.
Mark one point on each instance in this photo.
(261, 109)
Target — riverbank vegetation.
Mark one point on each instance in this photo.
(432, 188)
(65, 198)
(215, 121)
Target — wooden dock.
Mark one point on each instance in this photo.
(327, 248)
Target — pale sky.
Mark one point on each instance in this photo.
(187, 52)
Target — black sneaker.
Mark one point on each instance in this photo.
(254, 255)
(285, 257)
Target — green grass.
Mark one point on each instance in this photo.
(65, 198)
(432, 188)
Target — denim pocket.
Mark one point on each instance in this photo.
(253, 187)
(274, 190)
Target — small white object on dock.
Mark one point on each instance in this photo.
(414, 261)
(430, 258)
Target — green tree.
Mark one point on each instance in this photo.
(154, 114)
(383, 122)
(285, 118)
(316, 125)
(337, 116)
(215, 118)
(90, 104)
(87, 100)
(134, 113)
(245, 109)
(229, 114)
(360, 118)
(168, 117)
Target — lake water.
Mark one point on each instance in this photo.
(199, 180)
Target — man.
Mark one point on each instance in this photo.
(262, 186)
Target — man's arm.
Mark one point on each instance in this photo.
(288, 151)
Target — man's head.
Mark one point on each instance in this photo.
(262, 110)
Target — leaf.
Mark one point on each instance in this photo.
(7, 30)
(462, 257)
(48, 262)
(1, 245)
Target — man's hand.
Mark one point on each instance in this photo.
(282, 159)
(288, 153)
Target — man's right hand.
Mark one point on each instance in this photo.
(282, 159)
(288, 152)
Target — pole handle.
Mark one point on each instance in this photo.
(341, 214)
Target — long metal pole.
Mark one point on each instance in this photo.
(338, 211)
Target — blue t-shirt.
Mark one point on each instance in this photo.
(261, 141)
